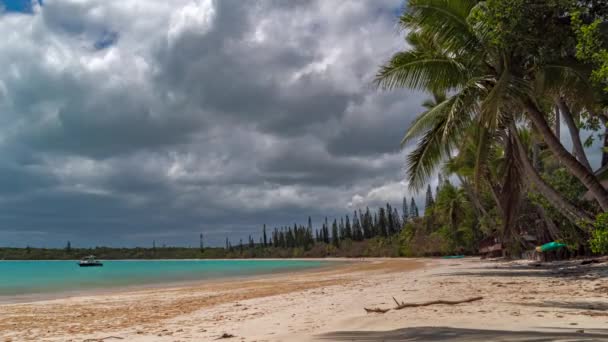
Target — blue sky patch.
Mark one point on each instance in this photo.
(107, 39)
(20, 6)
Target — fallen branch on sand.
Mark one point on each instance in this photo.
(403, 305)
(376, 310)
(225, 335)
(102, 339)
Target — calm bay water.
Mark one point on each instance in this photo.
(19, 278)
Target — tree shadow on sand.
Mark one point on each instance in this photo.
(543, 271)
(581, 305)
(464, 335)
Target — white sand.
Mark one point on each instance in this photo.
(306, 306)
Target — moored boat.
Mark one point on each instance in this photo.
(89, 261)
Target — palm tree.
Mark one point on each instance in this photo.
(488, 86)
(451, 207)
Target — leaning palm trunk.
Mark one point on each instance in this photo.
(574, 214)
(577, 169)
(557, 123)
(604, 120)
(605, 148)
(472, 195)
(579, 151)
(552, 229)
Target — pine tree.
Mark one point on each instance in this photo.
(429, 198)
(326, 232)
(265, 240)
(375, 231)
(348, 231)
(382, 222)
(357, 234)
(397, 220)
(335, 239)
(413, 209)
(439, 182)
(390, 225)
(406, 211)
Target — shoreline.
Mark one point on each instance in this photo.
(86, 316)
(169, 284)
(519, 302)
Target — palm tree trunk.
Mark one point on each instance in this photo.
(536, 154)
(557, 124)
(579, 151)
(603, 117)
(577, 169)
(573, 213)
(551, 227)
(605, 148)
(472, 196)
(494, 192)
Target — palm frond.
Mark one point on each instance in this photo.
(427, 120)
(495, 100)
(418, 70)
(570, 80)
(425, 158)
(446, 19)
(483, 148)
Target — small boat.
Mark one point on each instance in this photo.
(89, 261)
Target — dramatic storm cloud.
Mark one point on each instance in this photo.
(127, 121)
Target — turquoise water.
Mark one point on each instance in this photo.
(18, 278)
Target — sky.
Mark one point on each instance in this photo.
(128, 121)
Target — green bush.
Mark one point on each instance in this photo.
(599, 235)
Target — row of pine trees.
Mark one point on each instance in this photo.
(384, 222)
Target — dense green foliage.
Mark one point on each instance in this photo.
(592, 45)
(504, 75)
(599, 238)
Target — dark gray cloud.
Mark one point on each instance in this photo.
(130, 121)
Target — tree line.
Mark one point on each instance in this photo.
(384, 222)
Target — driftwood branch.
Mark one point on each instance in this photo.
(434, 302)
(225, 335)
(103, 339)
(403, 305)
(376, 310)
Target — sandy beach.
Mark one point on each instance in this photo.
(521, 301)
